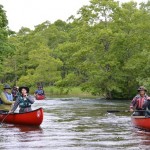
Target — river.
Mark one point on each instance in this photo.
(77, 124)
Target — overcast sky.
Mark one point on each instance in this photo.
(28, 13)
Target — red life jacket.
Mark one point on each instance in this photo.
(140, 101)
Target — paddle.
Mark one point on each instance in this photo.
(4, 119)
(115, 111)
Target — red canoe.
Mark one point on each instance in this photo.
(40, 97)
(33, 118)
(141, 122)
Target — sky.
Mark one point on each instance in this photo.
(29, 13)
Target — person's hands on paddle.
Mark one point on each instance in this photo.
(131, 110)
(10, 112)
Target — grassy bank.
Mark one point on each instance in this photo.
(52, 91)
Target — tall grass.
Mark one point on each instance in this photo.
(52, 91)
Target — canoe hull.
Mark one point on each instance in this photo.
(141, 122)
(33, 118)
(40, 97)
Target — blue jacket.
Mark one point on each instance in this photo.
(39, 92)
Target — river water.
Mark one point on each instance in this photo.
(77, 124)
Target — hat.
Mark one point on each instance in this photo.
(7, 86)
(142, 88)
(23, 87)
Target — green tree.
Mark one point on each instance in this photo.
(42, 68)
(6, 49)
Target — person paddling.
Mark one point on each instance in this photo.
(39, 91)
(140, 102)
(24, 100)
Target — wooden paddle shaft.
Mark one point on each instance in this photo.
(4, 118)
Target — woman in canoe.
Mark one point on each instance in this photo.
(140, 102)
(24, 101)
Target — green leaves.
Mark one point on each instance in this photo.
(47, 67)
(104, 50)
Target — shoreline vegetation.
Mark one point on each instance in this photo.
(103, 50)
(66, 92)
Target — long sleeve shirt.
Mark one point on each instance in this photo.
(138, 101)
(5, 100)
(24, 103)
(40, 92)
(6, 104)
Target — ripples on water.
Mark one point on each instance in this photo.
(75, 124)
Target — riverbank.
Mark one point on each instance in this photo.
(52, 91)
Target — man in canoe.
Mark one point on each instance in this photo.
(24, 101)
(6, 99)
(39, 91)
(140, 102)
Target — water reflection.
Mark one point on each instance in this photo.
(22, 128)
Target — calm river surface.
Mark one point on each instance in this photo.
(77, 124)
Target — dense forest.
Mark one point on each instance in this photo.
(104, 50)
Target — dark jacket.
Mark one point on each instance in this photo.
(24, 103)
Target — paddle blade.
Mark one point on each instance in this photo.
(113, 111)
(116, 111)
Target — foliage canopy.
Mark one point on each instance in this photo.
(104, 50)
